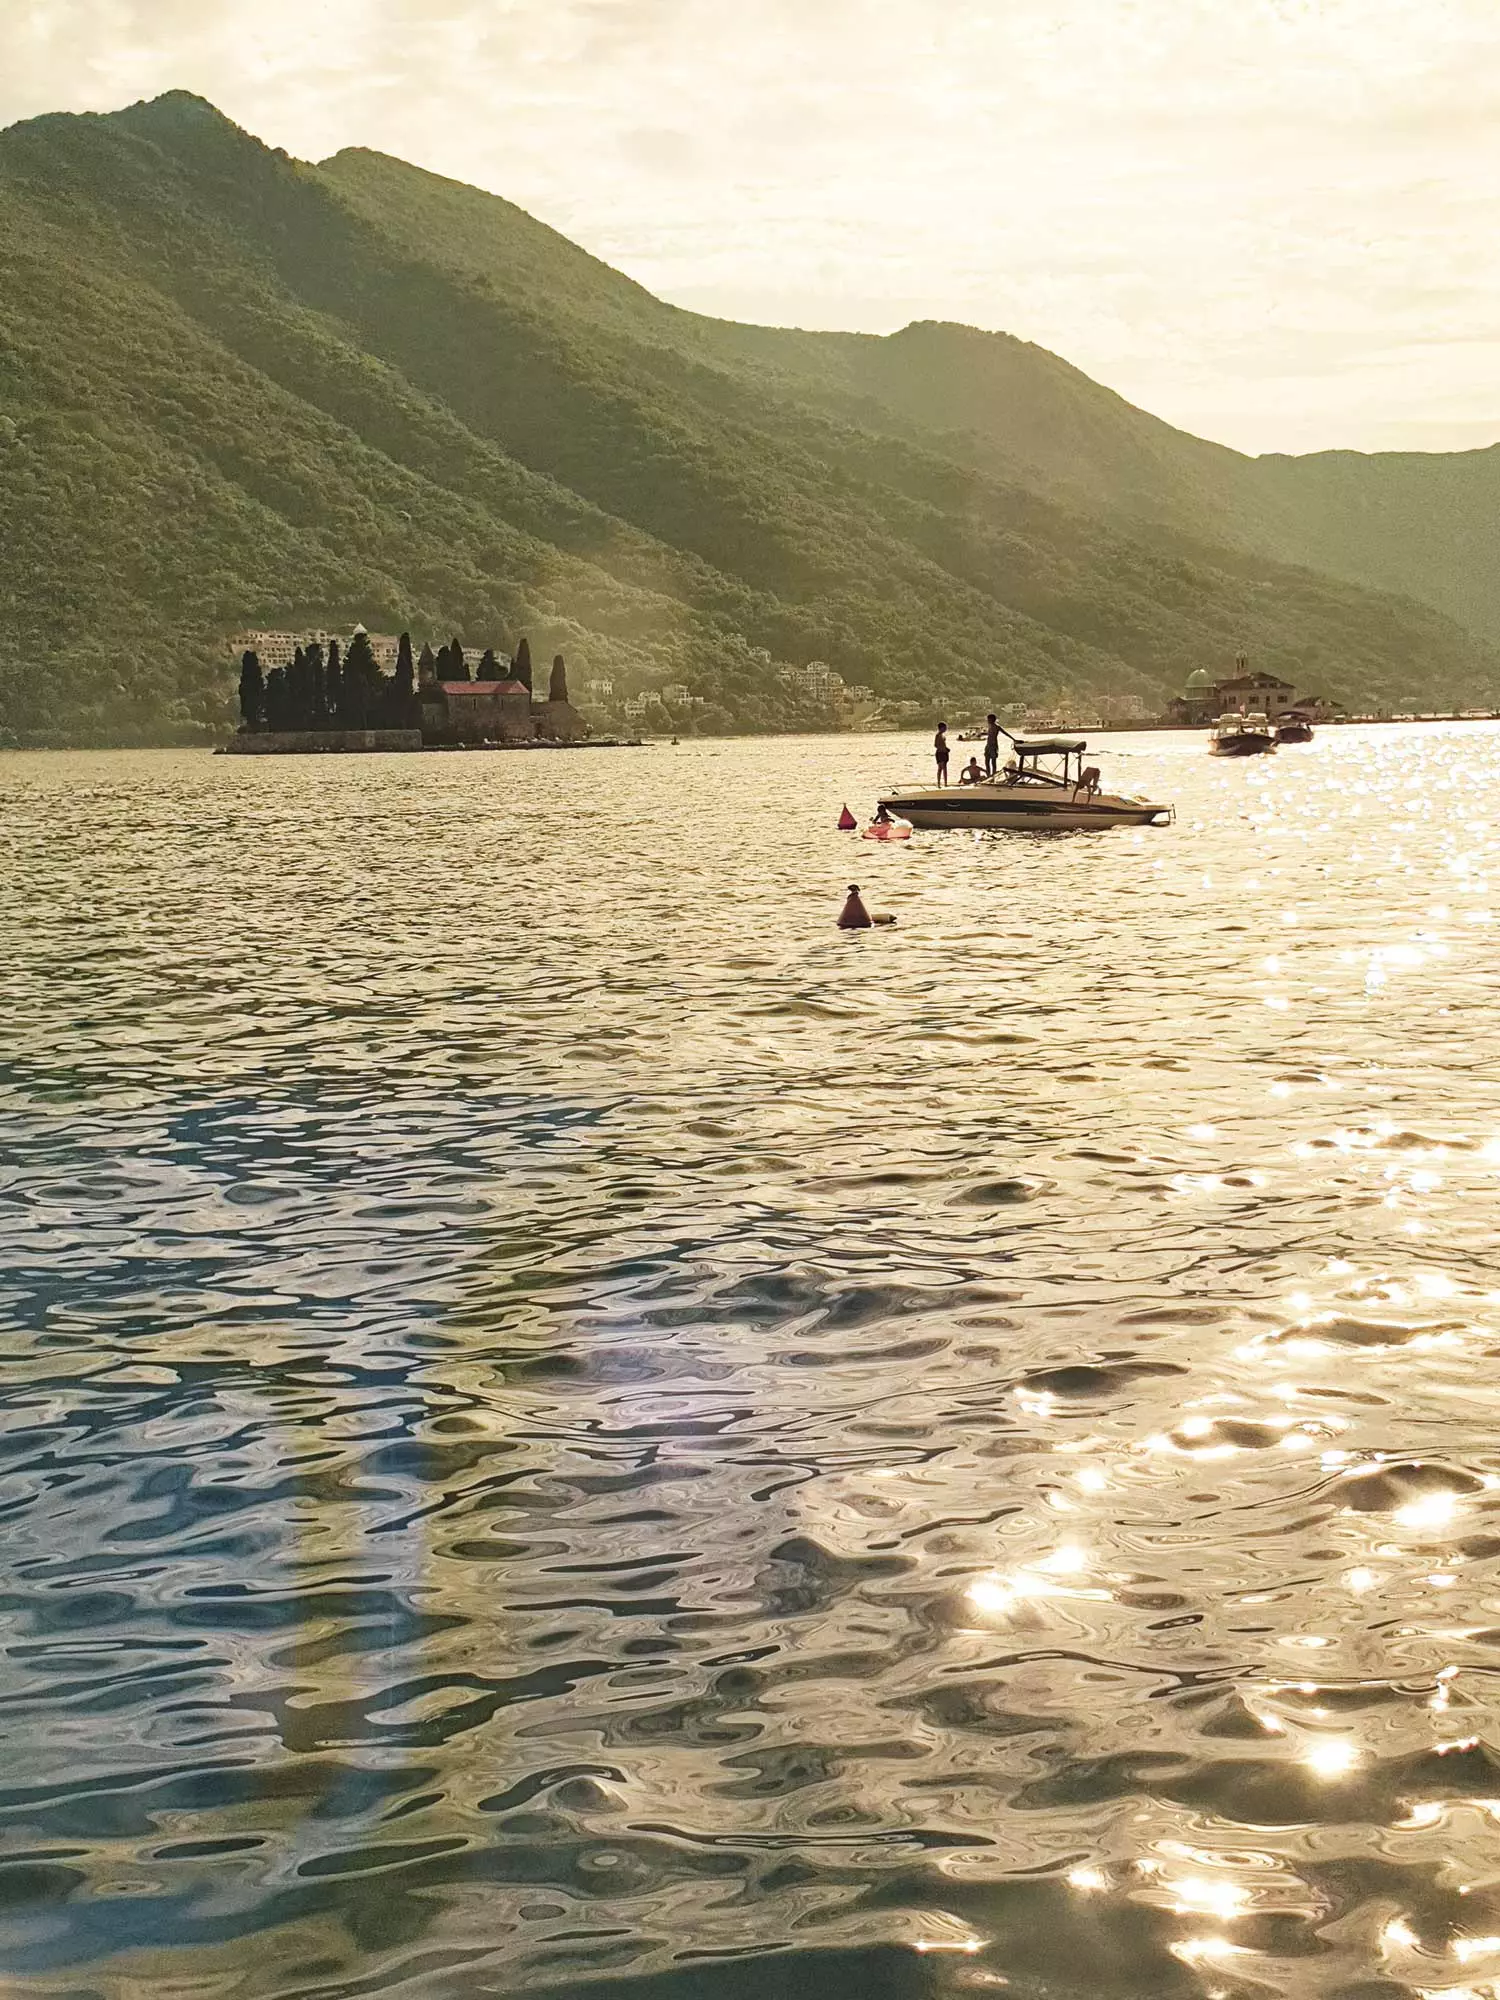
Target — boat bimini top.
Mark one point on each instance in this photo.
(1030, 752)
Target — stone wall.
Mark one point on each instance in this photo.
(312, 742)
(502, 718)
(558, 722)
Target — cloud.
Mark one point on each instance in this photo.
(1266, 220)
(658, 149)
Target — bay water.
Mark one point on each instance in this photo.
(568, 1428)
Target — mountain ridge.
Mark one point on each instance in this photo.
(237, 389)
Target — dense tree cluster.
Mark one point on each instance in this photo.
(450, 664)
(328, 691)
(333, 690)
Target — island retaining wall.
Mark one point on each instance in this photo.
(309, 742)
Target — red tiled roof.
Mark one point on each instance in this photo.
(482, 687)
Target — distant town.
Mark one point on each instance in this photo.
(322, 690)
(319, 690)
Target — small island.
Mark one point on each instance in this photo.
(318, 694)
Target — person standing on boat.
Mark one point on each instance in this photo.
(991, 746)
(940, 752)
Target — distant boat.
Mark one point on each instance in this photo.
(1242, 736)
(1294, 728)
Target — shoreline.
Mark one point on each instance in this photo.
(215, 745)
(391, 743)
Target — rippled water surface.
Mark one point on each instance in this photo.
(568, 1428)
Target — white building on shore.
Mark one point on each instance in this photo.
(277, 649)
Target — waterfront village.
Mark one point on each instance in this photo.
(320, 690)
(303, 691)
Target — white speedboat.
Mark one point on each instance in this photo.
(1242, 736)
(1045, 786)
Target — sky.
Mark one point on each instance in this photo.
(1269, 221)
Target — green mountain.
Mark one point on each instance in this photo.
(1422, 523)
(238, 390)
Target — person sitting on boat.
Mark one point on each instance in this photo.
(882, 816)
(971, 773)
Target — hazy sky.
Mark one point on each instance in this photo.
(1272, 221)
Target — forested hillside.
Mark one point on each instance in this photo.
(1423, 523)
(239, 390)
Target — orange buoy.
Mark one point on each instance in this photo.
(847, 821)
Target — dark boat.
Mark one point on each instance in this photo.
(1294, 728)
(1242, 736)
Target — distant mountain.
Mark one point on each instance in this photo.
(239, 390)
(1423, 523)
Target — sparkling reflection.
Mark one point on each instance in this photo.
(561, 1435)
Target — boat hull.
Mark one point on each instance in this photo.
(1020, 809)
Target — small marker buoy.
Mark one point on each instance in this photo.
(847, 821)
(855, 917)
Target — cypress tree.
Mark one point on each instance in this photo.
(520, 666)
(276, 706)
(403, 701)
(558, 687)
(489, 667)
(458, 666)
(360, 664)
(361, 681)
(427, 666)
(333, 684)
(252, 690)
(299, 695)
